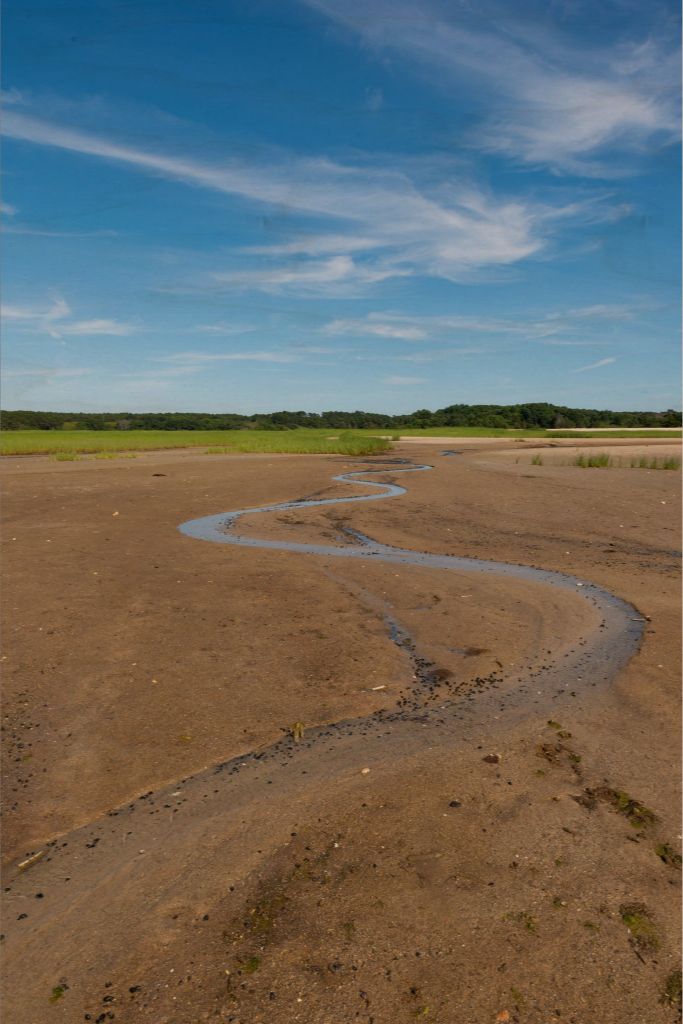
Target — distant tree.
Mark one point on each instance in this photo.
(530, 415)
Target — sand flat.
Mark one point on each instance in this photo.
(138, 660)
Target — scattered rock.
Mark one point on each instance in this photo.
(491, 758)
(455, 803)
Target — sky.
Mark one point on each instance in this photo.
(231, 206)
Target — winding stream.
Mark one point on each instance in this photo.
(603, 653)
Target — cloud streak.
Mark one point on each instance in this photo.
(561, 106)
(554, 328)
(55, 321)
(91, 328)
(380, 326)
(339, 273)
(22, 229)
(441, 228)
(595, 366)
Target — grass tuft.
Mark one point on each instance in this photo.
(637, 814)
(668, 855)
(673, 990)
(601, 460)
(637, 919)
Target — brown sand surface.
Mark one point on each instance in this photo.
(435, 886)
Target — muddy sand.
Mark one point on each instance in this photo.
(257, 784)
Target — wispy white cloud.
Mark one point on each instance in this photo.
(114, 328)
(340, 274)
(420, 358)
(561, 105)
(602, 311)
(56, 311)
(8, 210)
(379, 328)
(553, 328)
(23, 229)
(445, 228)
(38, 317)
(595, 366)
(56, 321)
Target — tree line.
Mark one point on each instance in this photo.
(532, 415)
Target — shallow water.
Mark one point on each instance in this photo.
(620, 627)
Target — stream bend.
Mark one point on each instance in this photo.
(605, 652)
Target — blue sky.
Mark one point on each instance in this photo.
(340, 204)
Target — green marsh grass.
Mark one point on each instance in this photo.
(670, 462)
(592, 460)
(66, 445)
(601, 460)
